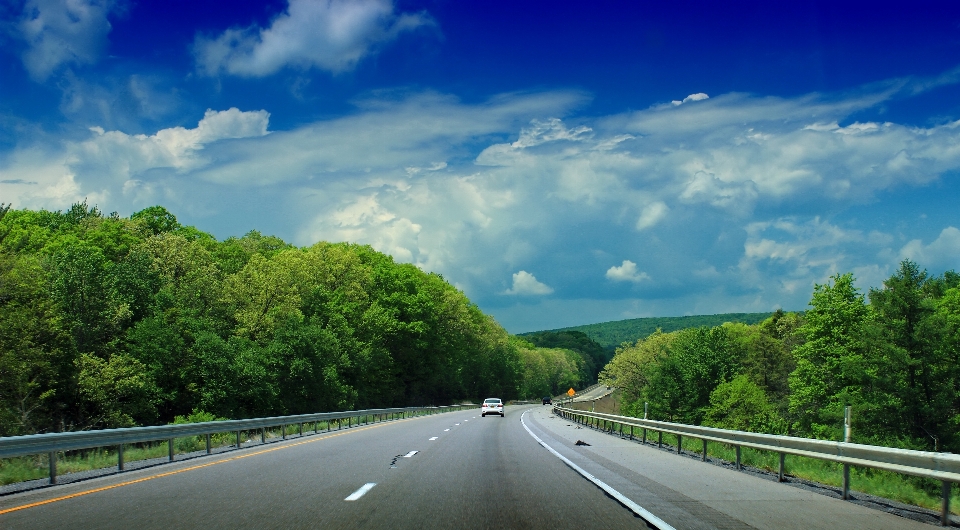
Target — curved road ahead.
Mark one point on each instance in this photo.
(453, 470)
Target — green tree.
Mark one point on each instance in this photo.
(742, 405)
(831, 363)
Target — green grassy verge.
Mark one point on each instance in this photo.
(907, 489)
(34, 467)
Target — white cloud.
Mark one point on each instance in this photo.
(626, 272)
(479, 191)
(551, 130)
(59, 32)
(700, 96)
(943, 252)
(525, 283)
(332, 35)
(175, 147)
(652, 214)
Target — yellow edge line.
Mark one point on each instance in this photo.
(184, 470)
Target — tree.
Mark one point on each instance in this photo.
(742, 405)
(830, 370)
(156, 219)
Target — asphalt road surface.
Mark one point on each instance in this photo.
(452, 470)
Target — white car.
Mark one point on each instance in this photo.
(492, 406)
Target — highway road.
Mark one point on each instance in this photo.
(452, 470)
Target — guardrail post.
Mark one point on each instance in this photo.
(703, 457)
(53, 466)
(783, 457)
(238, 439)
(170, 449)
(679, 444)
(316, 427)
(846, 438)
(263, 435)
(659, 439)
(208, 444)
(301, 428)
(631, 432)
(644, 435)
(738, 458)
(283, 432)
(945, 508)
(120, 457)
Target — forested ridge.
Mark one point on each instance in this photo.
(110, 322)
(612, 334)
(891, 354)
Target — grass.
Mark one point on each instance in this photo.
(903, 488)
(22, 469)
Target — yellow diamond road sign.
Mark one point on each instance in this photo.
(571, 392)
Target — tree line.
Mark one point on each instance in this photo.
(892, 354)
(112, 322)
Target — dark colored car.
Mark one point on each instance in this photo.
(547, 401)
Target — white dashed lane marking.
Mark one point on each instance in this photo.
(361, 492)
(434, 438)
(445, 430)
(411, 453)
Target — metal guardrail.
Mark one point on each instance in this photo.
(944, 467)
(52, 443)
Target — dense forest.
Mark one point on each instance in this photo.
(891, 354)
(594, 356)
(610, 335)
(109, 322)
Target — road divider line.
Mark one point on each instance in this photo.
(361, 492)
(445, 430)
(660, 524)
(191, 468)
(434, 438)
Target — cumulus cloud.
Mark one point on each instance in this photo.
(942, 252)
(740, 201)
(699, 96)
(61, 32)
(626, 272)
(525, 283)
(175, 147)
(332, 35)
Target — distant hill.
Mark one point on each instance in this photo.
(612, 334)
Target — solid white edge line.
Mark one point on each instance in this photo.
(361, 492)
(621, 498)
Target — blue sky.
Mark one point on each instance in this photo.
(562, 165)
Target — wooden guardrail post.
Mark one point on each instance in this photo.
(738, 458)
(120, 457)
(209, 449)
